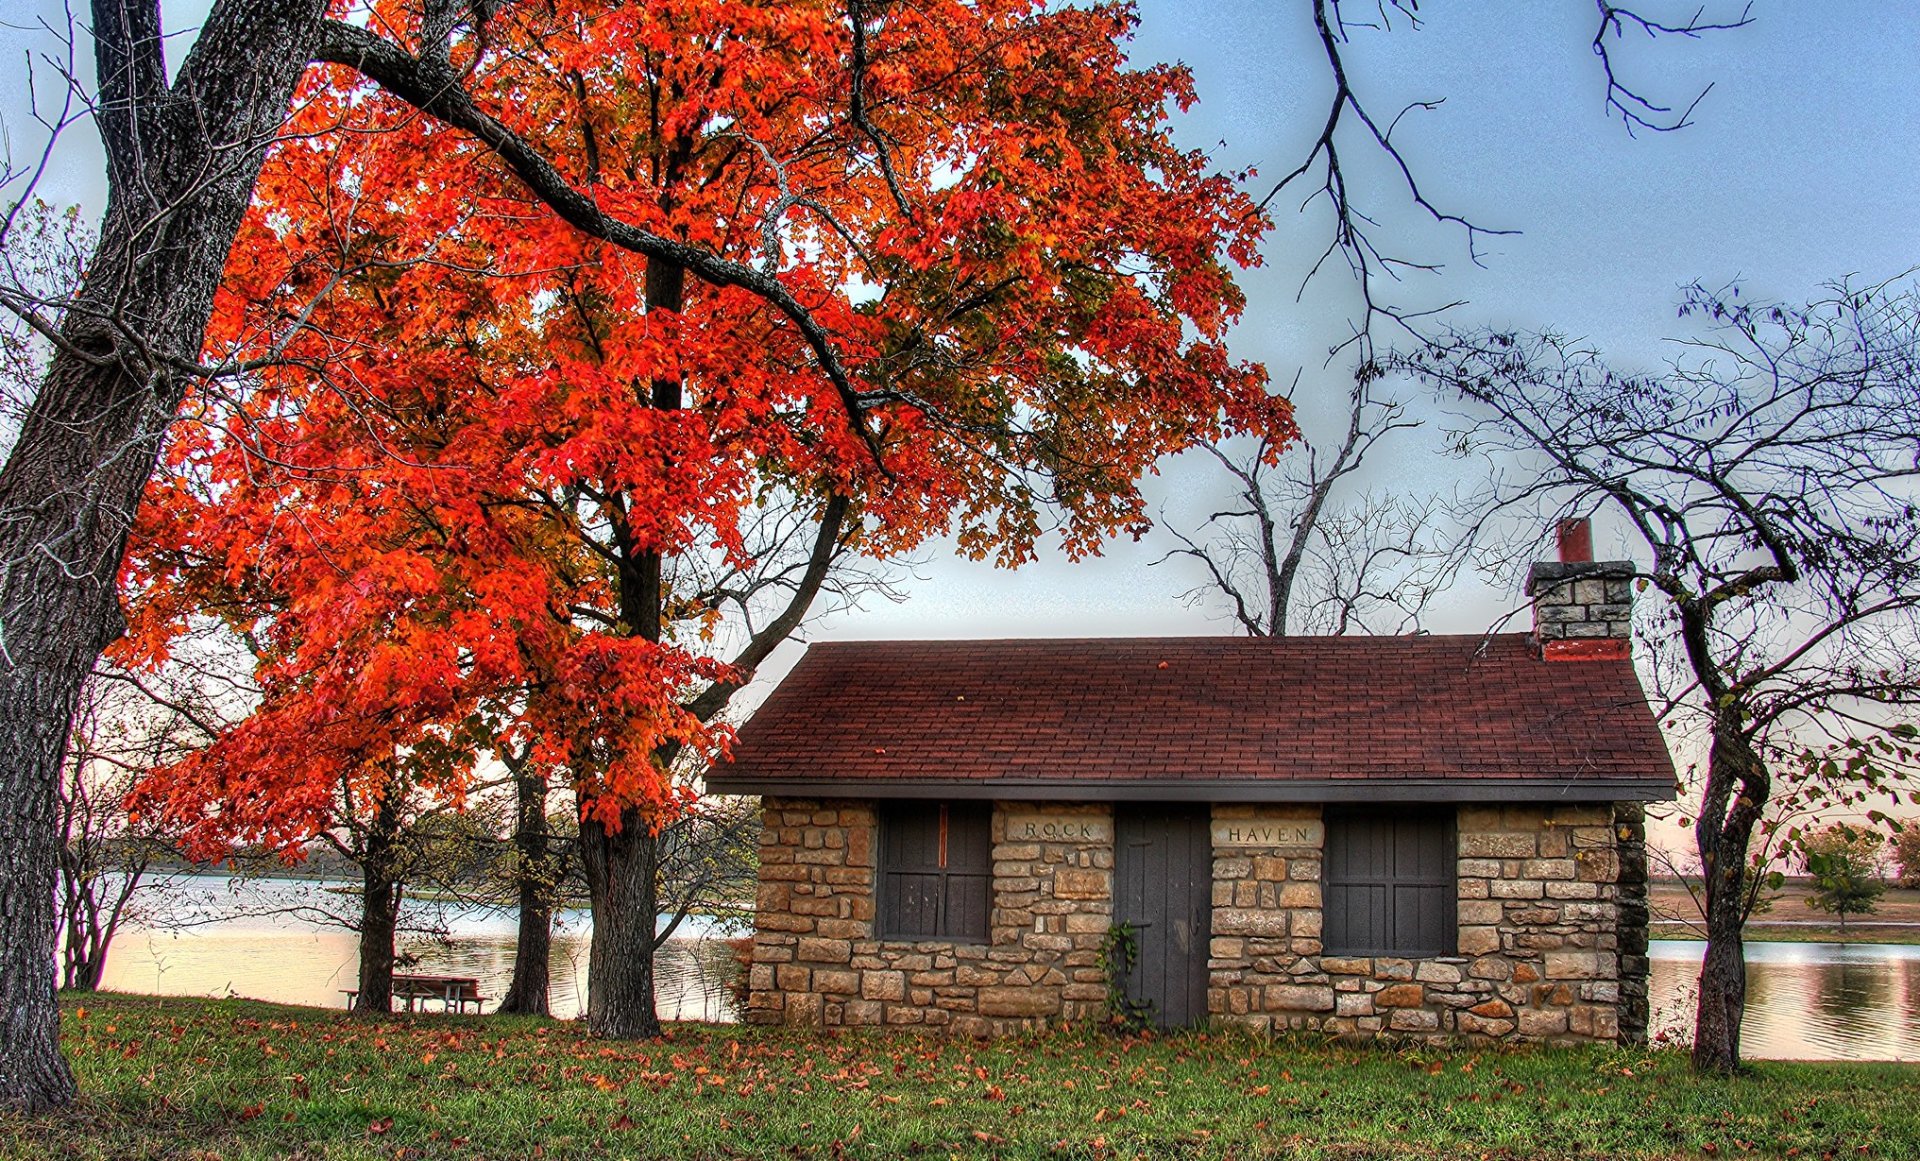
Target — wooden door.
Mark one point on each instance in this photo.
(1163, 887)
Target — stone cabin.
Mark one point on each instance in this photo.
(1426, 837)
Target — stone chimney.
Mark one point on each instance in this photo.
(1582, 608)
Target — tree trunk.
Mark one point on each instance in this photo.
(91, 435)
(533, 946)
(1723, 992)
(1736, 793)
(622, 866)
(380, 892)
(621, 869)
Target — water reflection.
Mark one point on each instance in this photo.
(269, 944)
(1805, 1001)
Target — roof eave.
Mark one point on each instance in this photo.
(1463, 790)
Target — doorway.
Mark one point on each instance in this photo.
(1163, 888)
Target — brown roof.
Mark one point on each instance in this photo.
(1434, 717)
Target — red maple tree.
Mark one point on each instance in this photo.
(944, 273)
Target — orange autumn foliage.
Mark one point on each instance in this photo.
(426, 514)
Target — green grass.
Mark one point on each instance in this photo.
(239, 1080)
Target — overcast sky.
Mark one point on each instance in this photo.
(1799, 168)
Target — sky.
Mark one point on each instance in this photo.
(1799, 168)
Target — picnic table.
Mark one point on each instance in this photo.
(453, 992)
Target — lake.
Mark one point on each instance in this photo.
(1805, 1001)
(266, 940)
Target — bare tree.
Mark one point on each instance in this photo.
(1295, 554)
(1353, 124)
(108, 856)
(1770, 475)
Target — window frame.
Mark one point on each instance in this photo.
(1335, 901)
(949, 864)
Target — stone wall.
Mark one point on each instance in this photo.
(818, 960)
(1539, 952)
(1552, 928)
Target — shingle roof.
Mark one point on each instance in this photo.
(1261, 712)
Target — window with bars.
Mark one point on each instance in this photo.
(1389, 883)
(936, 870)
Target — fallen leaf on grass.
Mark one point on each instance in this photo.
(380, 1126)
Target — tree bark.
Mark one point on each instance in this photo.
(622, 870)
(1736, 792)
(181, 165)
(527, 993)
(380, 892)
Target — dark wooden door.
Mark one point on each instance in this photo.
(1163, 886)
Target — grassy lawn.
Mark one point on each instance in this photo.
(238, 1079)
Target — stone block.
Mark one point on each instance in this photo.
(1300, 895)
(1495, 1009)
(1392, 969)
(1076, 883)
(1346, 965)
(1289, 997)
(1023, 1002)
(1480, 912)
(1547, 868)
(815, 950)
(1250, 921)
(1599, 866)
(883, 985)
(1473, 1025)
(1491, 967)
(1573, 890)
(1401, 996)
(1478, 940)
(1578, 965)
(1414, 1020)
(1498, 845)
(803, 1009)
(1353, 1004)
(836, 982)
(1543, 1022)
(1435, 972)
(793, 978)
(1516, 889)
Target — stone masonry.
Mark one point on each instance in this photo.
(817, 961)
(1551, 940)
(1583, 609)
(1539, 938)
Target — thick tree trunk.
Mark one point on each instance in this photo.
(379, 922)
(380, 891)
(622, 869)
(181, 165)
(527, 994)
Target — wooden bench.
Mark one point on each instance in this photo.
(453, 992)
